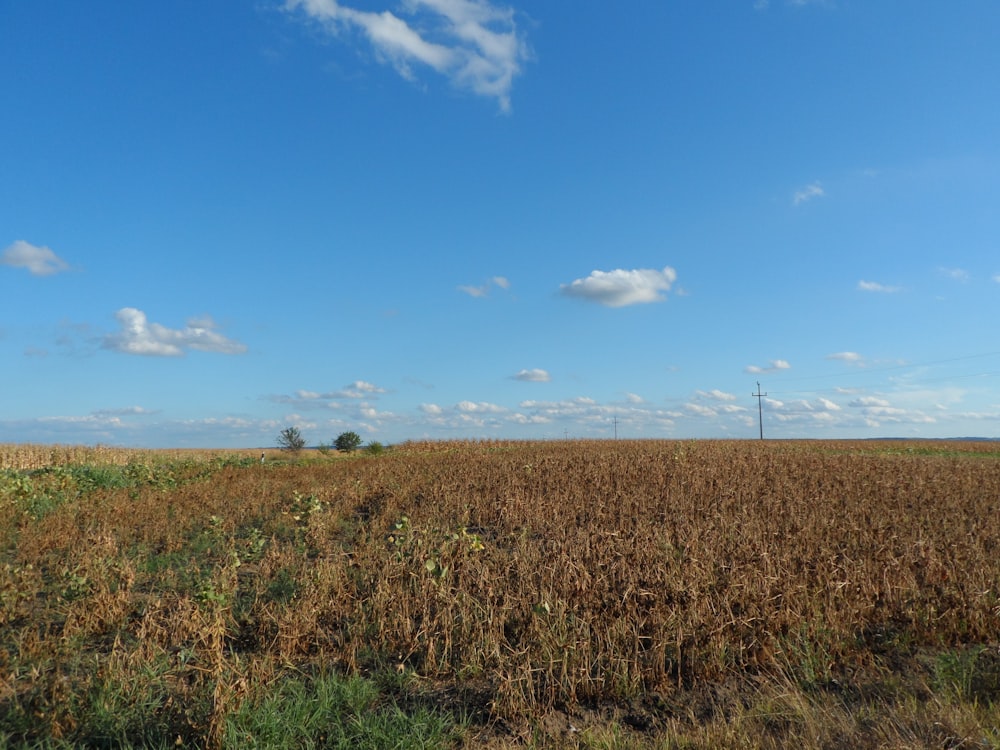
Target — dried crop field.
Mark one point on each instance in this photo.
(581, 594)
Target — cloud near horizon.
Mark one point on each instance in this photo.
(39, 261)
(473, 43)
(715, 395)
(139, 336)
(620, 288)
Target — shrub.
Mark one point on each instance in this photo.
(291, 440)
(347, 442)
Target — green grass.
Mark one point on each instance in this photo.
(332, 711)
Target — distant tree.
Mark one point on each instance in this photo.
(374, 448)
(347, 442)
(291, 440)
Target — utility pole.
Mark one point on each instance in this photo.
(616, 426)
(760, 412)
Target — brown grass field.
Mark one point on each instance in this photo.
(591, 594)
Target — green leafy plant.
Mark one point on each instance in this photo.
(347, 442)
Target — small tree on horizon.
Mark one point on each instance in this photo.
(347, 442)
(290, 439)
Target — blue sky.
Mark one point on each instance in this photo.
(474, 219)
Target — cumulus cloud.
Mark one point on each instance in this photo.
(38, 261)
(620, 288)
(818, 409)
(358, 390)
(533, 376)
(474, 43)
(808, 193)
(774, 366)
(878, 410)
(874, 286)
(481, 407)
(700, 410)
(868, 402)
(716, 395)
(139, 336)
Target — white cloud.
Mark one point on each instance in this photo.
(820, 410)
(996, 277)
(474, 43)
(139, 336)
(533, 376)
(484, 290)
(482, 407)
(39, 261)
(358, 390)
(700, 410)
(620, 288)
(868, 402)
(716, 395)
(127, 411)
(851, 358)
(569, 408)
(874, 286)
(361, 387)
(808, 193)
(432, 409)
(475, 291)
(775, 366)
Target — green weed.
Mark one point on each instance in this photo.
(332, 711)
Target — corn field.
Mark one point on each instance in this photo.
(527, 577)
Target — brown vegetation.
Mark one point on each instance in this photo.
(677, 587)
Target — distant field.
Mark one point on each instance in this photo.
(599, 594)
